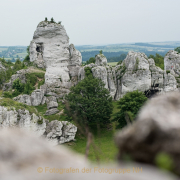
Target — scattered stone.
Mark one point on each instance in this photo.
(52, 104)
(51, 111)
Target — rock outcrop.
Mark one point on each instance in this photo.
(155, 131)
(136, 72)
(35, 99)
(59, 132)
(22, 118)
(50, 49)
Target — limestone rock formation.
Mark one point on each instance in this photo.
(155, 131)
(22, 118)
(58, 132)
(136, 72)
(172, 62)
(23, 156)
(100, 60)
(35, 99)
(50, 48)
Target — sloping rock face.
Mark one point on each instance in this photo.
(50, 48)
(22, 119)
(155, 131)
(136, 72)
(23, 156)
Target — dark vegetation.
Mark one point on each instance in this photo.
(90, 102)
(159, 60)
(128, 107)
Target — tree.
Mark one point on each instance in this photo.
(91, 60)
(52, 20)
(129, 106)
(158, 59)
(17, 85)
(177, 49)
(46, 19)
(100, 51)
(90, 101)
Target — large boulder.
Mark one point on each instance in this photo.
(59, 132)
(51, 111)
(155, 131)
(25, 99)
(37, 97)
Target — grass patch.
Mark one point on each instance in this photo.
(106, 149)
(43, 108)
(113, 63)
(7, 102)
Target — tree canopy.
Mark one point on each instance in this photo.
(129, 106)
(90, 101)
(158, 59)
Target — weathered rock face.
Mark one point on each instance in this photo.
(17, 157)
(136, 72)
(59, 132)
(155, 131)
(22, 119)
(172, 62)
(50, 49)
(35, 99)
(100, 60)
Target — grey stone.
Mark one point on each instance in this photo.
(51, 111)
(52, 104)
(37, 97)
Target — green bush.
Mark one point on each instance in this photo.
(7, 94)
(168, 71)
(129, 106)
(41, 83)
(18, 85)
(28, 88)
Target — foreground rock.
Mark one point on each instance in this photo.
(25, 157)
(155, 131)
(51, 111)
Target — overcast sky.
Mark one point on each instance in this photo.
(92, 21)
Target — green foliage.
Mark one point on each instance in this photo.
(168, 71)
(90, 101)
(120, 62)
(164, 161)
(91, 60)
(177, 49)
(28, 88)
(40, 83)
(100, 52)
(158, 59)
(33, 77)
(7, 94)
(46, 19)
(52, 20)
(128, 107)
(18, 85)
(40, 121)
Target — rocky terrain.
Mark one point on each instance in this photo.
(50, 49)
